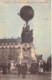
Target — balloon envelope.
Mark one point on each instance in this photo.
(26, 13)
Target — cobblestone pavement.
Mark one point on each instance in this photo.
(28, 77)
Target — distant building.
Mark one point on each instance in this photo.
(9, 49)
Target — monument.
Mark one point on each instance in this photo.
(27, 14)
(27, 46)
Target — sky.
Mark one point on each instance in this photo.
(11, 23)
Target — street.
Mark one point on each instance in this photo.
(28, 77)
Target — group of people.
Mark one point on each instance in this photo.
(22, 69)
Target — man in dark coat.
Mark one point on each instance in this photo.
(4, 68)
(19, 69)
(9, 65)
(23, 69)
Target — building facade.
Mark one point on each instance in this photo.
(13, 49)
(9, 49)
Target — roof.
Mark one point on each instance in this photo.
(11, 40)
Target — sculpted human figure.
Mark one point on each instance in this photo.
(27, 35)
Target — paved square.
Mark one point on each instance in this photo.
(28, 77)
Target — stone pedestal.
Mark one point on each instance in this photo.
(27, 53)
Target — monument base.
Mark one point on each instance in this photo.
(27, 53)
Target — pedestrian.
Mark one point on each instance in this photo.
(19, 69)
(23, 69)
(4, 68)
(9, 66)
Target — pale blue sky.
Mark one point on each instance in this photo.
(11, 24)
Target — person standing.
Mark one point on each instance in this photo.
(4, 68)
(9, 66)
(19, 69)
(23, 69)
